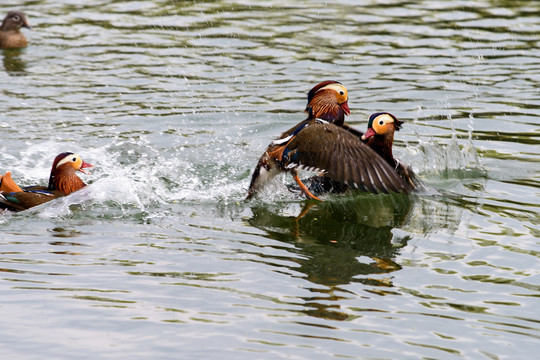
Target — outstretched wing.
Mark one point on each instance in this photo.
(343, 157)
(406, 172)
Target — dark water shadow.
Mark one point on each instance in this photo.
(344, 240)
(13, 62)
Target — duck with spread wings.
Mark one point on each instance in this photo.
(325, 143)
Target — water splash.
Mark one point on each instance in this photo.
(454, 158)
(136, 174)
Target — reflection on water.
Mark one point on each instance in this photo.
(13, 60)
(344, 240)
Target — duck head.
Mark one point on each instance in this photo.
(382, 124)
(328, 101)
(380, 134)
(14, 20)
(63, 173)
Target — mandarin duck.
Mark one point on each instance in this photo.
(379, 137)
(324, 143)
(10, 35)
(62, 181)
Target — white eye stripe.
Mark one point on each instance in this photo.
(337, 87)
(385, 119)
(69, 158)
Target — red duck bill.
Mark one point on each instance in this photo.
(85, 165)
(369, 133)
(345, 107)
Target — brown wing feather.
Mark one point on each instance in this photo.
(344, 158)
(22, 200)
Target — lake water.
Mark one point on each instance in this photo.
(174, 101)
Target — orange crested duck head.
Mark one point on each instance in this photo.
(328, 100)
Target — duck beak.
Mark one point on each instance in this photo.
(25, 25)
(85, 165)
(369, 133)
(345, 107)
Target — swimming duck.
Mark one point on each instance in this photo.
(379, 137)
(62, 181)
(324, 143)
(10, 35)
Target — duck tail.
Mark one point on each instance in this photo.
(265, 170)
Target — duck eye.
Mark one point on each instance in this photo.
(381, 122)
(341, 92)
(74, 159)
(16, 18)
